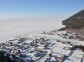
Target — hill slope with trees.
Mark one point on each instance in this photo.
(75, 21)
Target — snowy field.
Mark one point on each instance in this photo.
(9, 29)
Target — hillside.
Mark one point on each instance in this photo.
(75, 21)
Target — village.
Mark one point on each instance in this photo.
(41, 48)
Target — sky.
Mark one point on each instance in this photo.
(22, 9)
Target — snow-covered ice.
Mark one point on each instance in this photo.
(9, 29)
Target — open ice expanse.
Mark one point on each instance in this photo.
(9, 29)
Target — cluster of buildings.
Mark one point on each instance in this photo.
(40, 48)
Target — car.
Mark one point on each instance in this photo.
(40, 53)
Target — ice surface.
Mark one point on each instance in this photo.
(9, 29)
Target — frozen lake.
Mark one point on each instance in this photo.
(9, 29)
